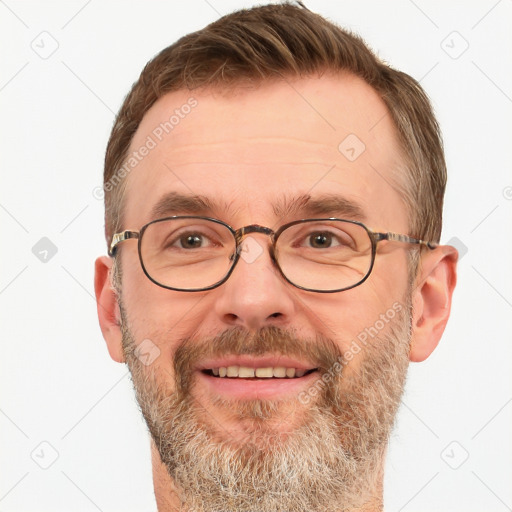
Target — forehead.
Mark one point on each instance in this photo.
(250, 151)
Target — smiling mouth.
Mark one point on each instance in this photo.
(245, 372)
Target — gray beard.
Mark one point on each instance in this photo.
(332, 458)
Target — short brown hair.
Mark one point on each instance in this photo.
(275, 41)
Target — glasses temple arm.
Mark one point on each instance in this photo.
(395, 237)
(121, 237)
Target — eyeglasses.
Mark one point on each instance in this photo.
(193, 254)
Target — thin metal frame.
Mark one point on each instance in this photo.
(239, 234)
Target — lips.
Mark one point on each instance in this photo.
(248, 377)
(279, 367)
(265, 372)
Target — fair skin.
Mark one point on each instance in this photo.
(244, 151)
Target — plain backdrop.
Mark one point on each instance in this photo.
(71, 435)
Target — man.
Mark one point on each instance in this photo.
(273, 207)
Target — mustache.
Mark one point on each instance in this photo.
(320, 350)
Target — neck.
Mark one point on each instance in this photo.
(167, 496)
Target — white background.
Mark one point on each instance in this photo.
(58, 384)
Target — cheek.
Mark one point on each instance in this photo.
(344, 318)
(355, 317)
(391, 272)
(159, 315)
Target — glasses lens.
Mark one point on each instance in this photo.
(324, 255)
(187, 253)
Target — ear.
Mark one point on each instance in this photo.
(432, 299)
(108, 308)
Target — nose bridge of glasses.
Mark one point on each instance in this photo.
(241, 233)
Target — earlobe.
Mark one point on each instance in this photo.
(108, 308)
(431, 299)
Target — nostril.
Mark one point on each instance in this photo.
(231, 317)
(275, 315)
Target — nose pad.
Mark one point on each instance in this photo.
(250, 249)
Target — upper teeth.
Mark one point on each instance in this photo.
(268, 372)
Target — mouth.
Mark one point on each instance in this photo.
(250, 378)
(266, 372)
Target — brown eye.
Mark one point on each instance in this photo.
(320, 240)
(193, 241)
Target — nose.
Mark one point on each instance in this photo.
(255, 295)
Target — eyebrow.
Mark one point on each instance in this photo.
(174, 203)
(329, 205)
(303, 206)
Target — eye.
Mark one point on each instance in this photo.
(322, 240)
(191, 241)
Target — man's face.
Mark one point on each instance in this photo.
(269, 156)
